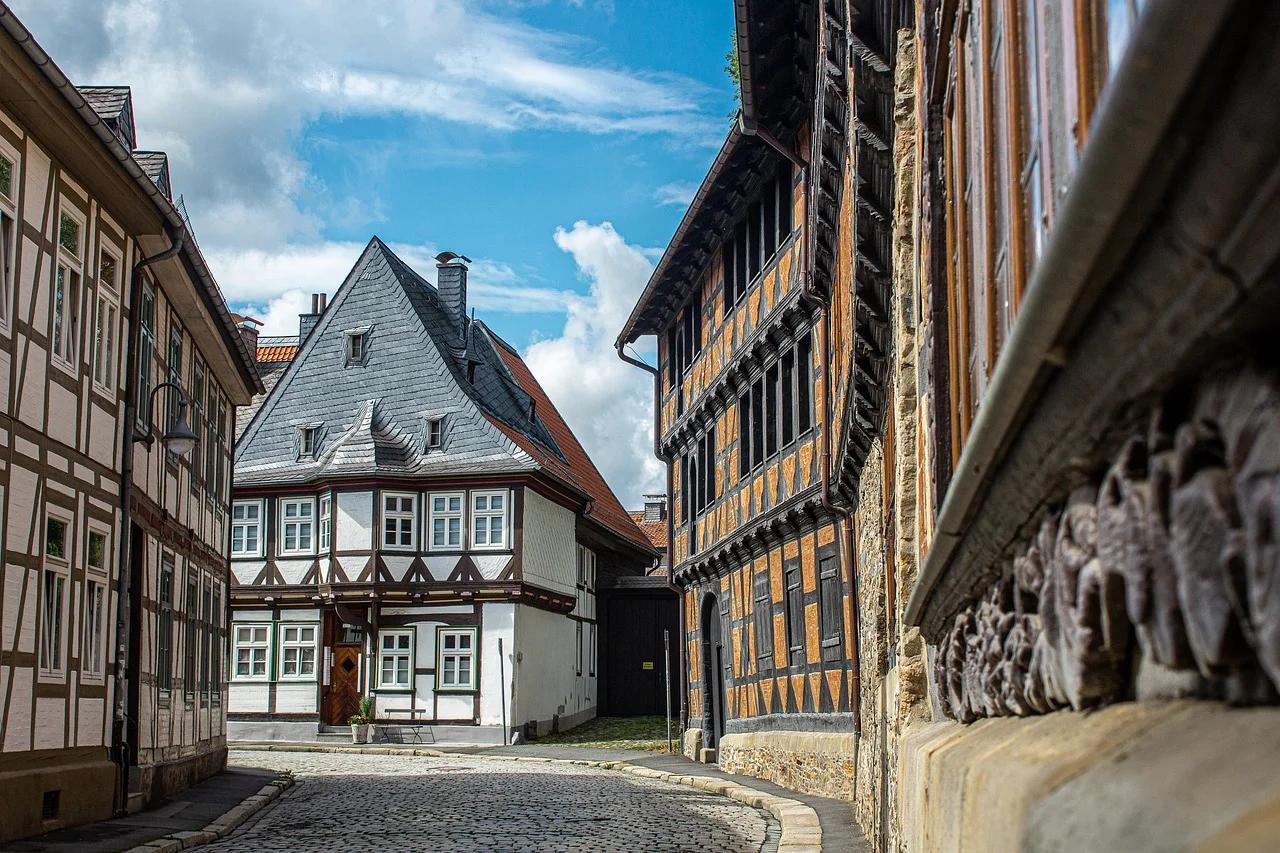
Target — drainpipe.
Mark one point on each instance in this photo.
(671, 554)
(127, 681)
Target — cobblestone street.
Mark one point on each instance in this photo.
(345, 802)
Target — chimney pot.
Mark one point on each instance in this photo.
(451, 282)
(307, 322)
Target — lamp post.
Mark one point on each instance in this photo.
(179, 439)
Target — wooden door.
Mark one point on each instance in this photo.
(632, 654)
(344, 685)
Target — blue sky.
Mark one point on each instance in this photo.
(556, 142)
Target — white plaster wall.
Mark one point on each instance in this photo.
(246, 696)
(353, 521)
(550, 544)
(423, 696)
(498, 623)
(311, 614)
(296, 697)
(546, 680)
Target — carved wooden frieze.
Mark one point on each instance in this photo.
(1170, 559)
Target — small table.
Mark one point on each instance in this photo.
(413, 724)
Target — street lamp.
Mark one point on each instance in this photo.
(179, 439)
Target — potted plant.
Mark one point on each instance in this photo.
(360, 721)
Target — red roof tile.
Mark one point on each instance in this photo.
(580, 470)
(655, 530)
(272, 355)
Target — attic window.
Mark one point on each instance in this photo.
(357, 345)
(433, 432)
(308, 441)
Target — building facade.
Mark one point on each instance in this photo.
(414, 522)
(115, 569)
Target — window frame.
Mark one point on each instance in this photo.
(432, 433)
(830, 612)
(324, 523)
(399, 515)
(190, 633)
(410, 652)
(793, 597)
(9, 234)
(283, 645)
(351, 336)
(65, 341)
(472, 654)
(108, 297)
(762, 616)
(258, 525)
(283, 522)
(447, 514)
(52, 649)
(474, 514)
(163, 669)
(93, 652)
(252, 644)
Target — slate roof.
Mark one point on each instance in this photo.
(114, 105)
(156, 165)
(371, 418)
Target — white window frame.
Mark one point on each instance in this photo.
(592, 646)
(577, 651)
(55, 572)
(324, 539)
(106, 335)
(397, 653)
(446, 515)
(307, 522)
(95, 610)
(245, 525)
(444, 653)
(398, 516)
(68, 353)
(476, 514)
(252, 645)
(297, 644)
(9, 235)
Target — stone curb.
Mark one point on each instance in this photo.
(227, 823)
(801, 830)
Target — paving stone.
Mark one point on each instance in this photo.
(371, 801)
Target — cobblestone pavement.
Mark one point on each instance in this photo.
(345, 802)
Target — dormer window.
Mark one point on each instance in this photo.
(357, 345)
(433, 433)
(308, 441)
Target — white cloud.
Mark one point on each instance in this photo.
(607, 403)
(676, 194)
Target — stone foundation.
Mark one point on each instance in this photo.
(808, 762)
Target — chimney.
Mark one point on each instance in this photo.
(307, 322)
(249, 332)
(655, 508)
(451, 281)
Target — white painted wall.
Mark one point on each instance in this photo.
(550, 544)
(547, 682)
(498, 623)
(353, 521)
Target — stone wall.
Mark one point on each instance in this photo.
(812, 762)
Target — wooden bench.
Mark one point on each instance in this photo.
(412, 724)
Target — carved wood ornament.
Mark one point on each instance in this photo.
(1170, 561)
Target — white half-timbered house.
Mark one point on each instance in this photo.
(114, 584)
(413, 521)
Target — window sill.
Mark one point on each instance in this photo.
(457, 691)
(287, 554)
(244, 679)
(296, 679)
(396, 690)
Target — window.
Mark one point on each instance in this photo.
(250, 651)
(804, 384)
(395, 660)
(488, 519)
(398, 514)
(356, 347)
(795, 611)
(95, 604)
(757, 423)
(744, 434)
(591, 650)
(830, 603)
(219, 448)
(756, 240)
(762, 614)
(104, 323)
(191, 617)
(787, 412)
(298, 652)
(577, 647)
(175, 367)
(164, 628)
(308, 440)
(586, 568)
(8, 228)
(326, 522)
(215, 645)
(1035, 222)
(65, 336)
(446, 521)
(456, 665)
(197, 422)
(1119, 18)
(433, 433)
(146, 352)
(297, 520)
(246, 529)
(206, 644)
(211, 448)
(53, 590)
(771, 409)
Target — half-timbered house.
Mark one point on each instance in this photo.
(414, 522)
(114, 572)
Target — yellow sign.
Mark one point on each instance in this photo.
(647, 664)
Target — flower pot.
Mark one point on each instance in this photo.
(359, 734)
